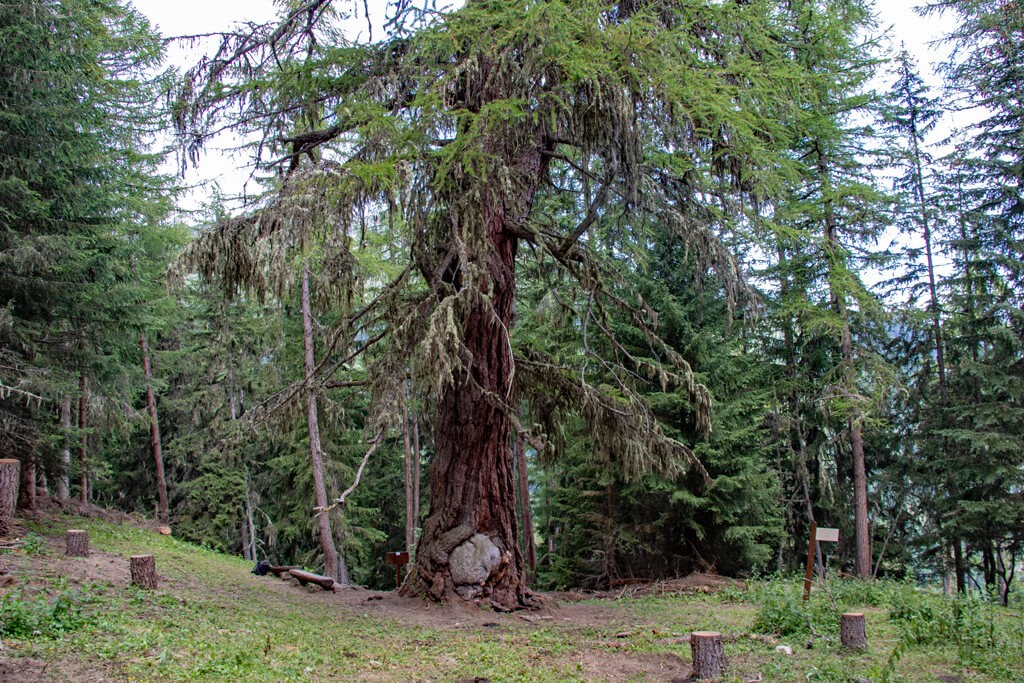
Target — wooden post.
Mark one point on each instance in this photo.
(708, 654)
(809, 571)
(10, 471)
(853, 631)
(143, 571)
(77, 543)
(398, 559)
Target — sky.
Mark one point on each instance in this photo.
(230, 170)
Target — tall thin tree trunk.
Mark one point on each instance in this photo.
(250, 517)
(410, 513)
(82, 442)
(417, 466)
(960, 566)
(64, 480)
(529, 544)
(332, 567)
(154, 427)
(833, 249)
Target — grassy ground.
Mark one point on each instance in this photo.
(211, 620)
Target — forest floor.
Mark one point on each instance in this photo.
(79, 619)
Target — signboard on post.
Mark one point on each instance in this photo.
(398, 559)
(827, 535)
(824, 534)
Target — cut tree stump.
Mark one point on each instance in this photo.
(304, 577)
(853, 632)
(77, 543)
(708, 654)
(143, 571)
(10, 470)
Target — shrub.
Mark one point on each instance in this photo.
(28, 615)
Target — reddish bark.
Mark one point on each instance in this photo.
(472, 476)
(154, 429)
(862, 537)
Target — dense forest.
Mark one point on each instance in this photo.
(546, 292)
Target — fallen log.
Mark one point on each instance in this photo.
(304, 577)
(278, 570)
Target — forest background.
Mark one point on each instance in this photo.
(768, 329)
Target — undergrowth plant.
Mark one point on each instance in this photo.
(48, 613)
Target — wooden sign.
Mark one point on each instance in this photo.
(398, 559)
(827, 535)
(824, 534)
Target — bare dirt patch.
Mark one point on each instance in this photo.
(577, 614)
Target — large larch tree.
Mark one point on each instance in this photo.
(479, 138)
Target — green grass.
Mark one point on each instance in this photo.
(213, 621)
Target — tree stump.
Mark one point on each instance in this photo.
(9, 472)
(143, 571)
(853, 631)
(708, 654)
(77, 542)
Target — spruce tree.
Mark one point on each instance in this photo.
(986, 220)
(79, 199)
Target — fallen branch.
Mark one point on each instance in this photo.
(340, 500)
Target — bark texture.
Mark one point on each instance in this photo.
(77, 543)
(10, 470)
(853, 631)
(708, 654)
(469, 546)
(143, 568)
(27, 490)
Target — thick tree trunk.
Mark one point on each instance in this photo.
(332, 567)
(154, 428)
(9, 479)
(82, 443)
(469, 544)
(64, 481)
